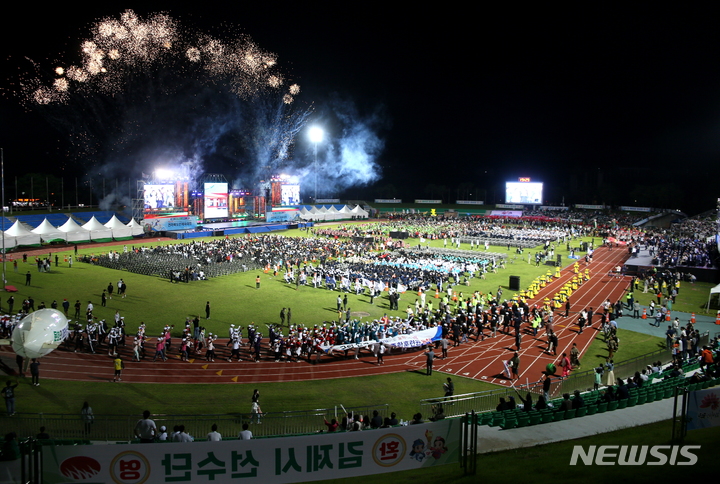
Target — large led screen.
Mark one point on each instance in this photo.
(524, 192)
(216, 200)
(159, 196)
(290, 195)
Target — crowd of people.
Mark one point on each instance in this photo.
(440, 228)
(201, 259)
(336, 261)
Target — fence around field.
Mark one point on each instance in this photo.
(486, 401)
(120, 428)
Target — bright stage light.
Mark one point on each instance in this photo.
(316, 134)
(164, 174)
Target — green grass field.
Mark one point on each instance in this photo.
(235, 300)
(692, 298)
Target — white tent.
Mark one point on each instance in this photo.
(74, 232)
(136, 228)
(97, 230)
(325, 213)
(305, 214)
(19, 235)
(333, 213)
(359, 212)
(9, 241)
(315, 214)
(714, 290)
(322, 214)
(48, 232)
(119, 229)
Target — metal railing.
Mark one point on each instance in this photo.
(120, 428)
(458, 405)
(486, 401)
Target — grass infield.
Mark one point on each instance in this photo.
(235, 300)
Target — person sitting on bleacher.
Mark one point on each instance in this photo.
(566, 403)
(438, 413)
(527, 402)
(631, 384)
(622, 390)
(698, 377)
(674, 373)
(609, 395)
(578, 400)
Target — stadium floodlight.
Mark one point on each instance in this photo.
(316, 136)
(164, 174)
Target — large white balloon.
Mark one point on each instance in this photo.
(39, 333)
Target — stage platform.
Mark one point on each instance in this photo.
(231, 225)
(643, 262)
(234, 227)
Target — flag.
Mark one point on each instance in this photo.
(703, 409)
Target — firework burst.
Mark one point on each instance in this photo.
(118, 48)
(149, 88)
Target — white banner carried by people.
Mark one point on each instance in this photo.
(416, 339)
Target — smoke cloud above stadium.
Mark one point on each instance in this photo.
(149, 93)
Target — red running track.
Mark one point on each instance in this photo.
(481, 360)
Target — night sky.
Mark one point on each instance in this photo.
(613, 103)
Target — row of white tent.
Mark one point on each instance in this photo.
(331, 212)
(70, 231)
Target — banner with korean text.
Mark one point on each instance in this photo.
(267, 461)
(411, 340)
(703, 409)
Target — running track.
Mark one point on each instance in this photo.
(479, 360)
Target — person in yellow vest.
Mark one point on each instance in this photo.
(537, 320)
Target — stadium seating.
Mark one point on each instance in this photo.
(664, 386)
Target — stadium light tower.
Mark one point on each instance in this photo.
(316, 136)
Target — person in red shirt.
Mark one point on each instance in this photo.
(706, 358)
(332, 425)
(566, 365)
